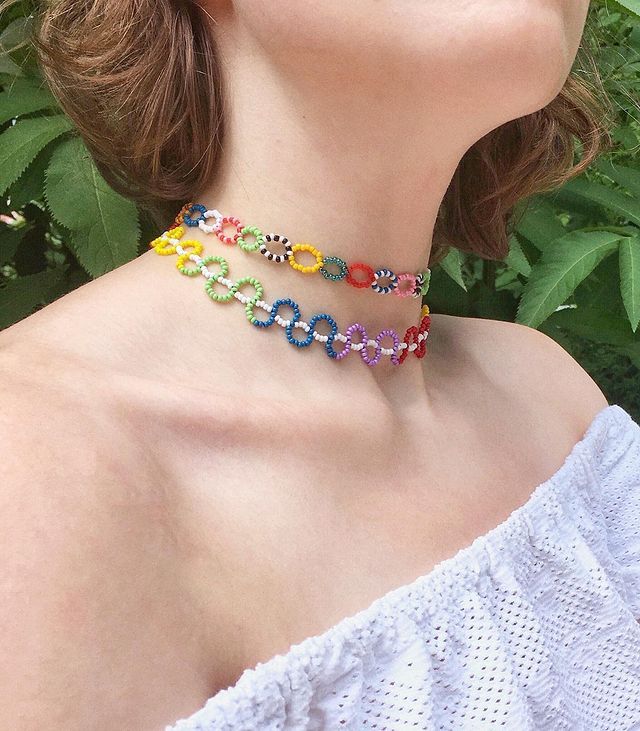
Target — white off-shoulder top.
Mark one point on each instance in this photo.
(535, 625)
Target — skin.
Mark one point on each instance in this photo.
(202, 497)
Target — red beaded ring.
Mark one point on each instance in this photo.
(360, 283)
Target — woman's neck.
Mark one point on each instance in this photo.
(362, 181)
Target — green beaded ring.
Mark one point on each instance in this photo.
(233, 289)
(193, 271)
(342, 265)
(426, 279)
(255, 231)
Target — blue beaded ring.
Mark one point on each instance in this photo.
(393, 281)
(274, 311)
(312, 326)
(195, 221)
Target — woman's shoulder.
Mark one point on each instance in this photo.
(83, 544)
(63, 457)
(524, 366)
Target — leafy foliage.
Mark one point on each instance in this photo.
(573, 265)
(104, 227)
(560, 269)
(573, 269)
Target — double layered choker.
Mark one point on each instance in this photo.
(252, 239)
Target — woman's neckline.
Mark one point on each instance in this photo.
(438, 578)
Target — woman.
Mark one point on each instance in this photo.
(219, 526)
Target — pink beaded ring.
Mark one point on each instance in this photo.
(358, 275)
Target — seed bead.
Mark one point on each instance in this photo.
(370, 361)
(412, 334)
(219, 229)
(311, 249)
(188, 218)
(162, 244)
(277, 258)
(189, 244)
(340, 263)
(380, 274)
(213, 278)
(274, 311)
(188, 271)
(418, 283)
(360, 284)
(254, 231)
(205, 226)
(168, 243)
(310, 338)
(405, 277)
(396, 343)
(192, 271)
(425, 280)
(179, 219)
(248, 308)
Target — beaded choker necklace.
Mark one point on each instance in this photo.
(417, 284)
(415, 337)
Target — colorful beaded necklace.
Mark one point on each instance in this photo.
(196, 214)
(414, 339)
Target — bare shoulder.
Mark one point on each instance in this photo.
(43, 531)
(84, 592)
(528, 364)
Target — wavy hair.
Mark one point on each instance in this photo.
(129, 74)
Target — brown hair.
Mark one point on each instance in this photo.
(129, 74)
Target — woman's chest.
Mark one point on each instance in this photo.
(276, 545)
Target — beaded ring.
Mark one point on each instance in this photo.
(414, 339)
(268, 239)
(418, 283)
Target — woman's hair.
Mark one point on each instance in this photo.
(141, 81)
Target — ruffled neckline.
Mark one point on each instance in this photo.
(439, 584)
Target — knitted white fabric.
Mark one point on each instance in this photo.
(535, 625)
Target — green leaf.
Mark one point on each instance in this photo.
(20, 297)
(626, 177)
(559, 271)
(17, 31)
(30, 185)
(539, 224)
(615, 201)
(630, 278)
(516, 258)
(445, 296)
(633, 353)
(452, 265)
(580, 208)
(626, 137)
(594, 323)
(8, 66)
(20, 144)
(633, 6)
(633, 39)
(24, 96)
(10, 237)
(603, 285)
(104, 224)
